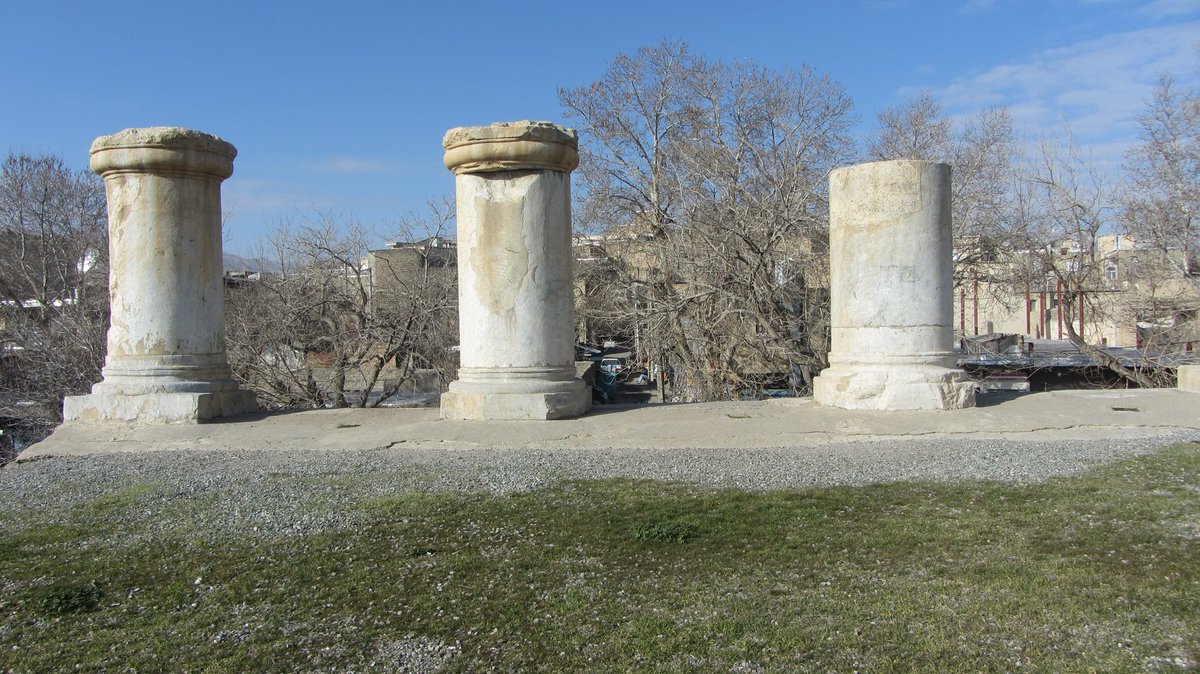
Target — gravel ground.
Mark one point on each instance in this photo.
(287, 493)
(274, 492)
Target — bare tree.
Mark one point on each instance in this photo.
(1067, 204)
(982, 153)
(338, 322)
(53, 287)
(708, 182)
(1162, 208)
(914, 130)
(1160, 212)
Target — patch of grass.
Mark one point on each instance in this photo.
(666, 531)
(1090, 573)
(70, 598)
(122, 499)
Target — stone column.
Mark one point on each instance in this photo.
(166, 343)
(891, 271)
(515, 293)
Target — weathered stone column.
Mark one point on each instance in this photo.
(892, 281)
(515, 295)
(166, 343)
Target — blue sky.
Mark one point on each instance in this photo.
(340, 107)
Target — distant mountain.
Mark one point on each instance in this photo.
(238, 263)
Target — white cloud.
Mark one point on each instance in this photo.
(1161, 9)
(1096, 87)
(348, 165)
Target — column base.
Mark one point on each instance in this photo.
(161, 407)
(919, 387)
(1188, 378)
(463, 403)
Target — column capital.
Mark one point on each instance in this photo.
(163, 150)
(511, 146)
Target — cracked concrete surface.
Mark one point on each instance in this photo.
(797, 422)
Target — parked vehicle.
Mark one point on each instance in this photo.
(613, 365)
(588, 352)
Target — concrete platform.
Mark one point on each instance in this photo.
(769, 423)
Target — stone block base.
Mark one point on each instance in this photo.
(1188, 378)
(169, 408)
(894, 388)
(491, 405)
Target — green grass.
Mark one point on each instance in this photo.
(1093, 573)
